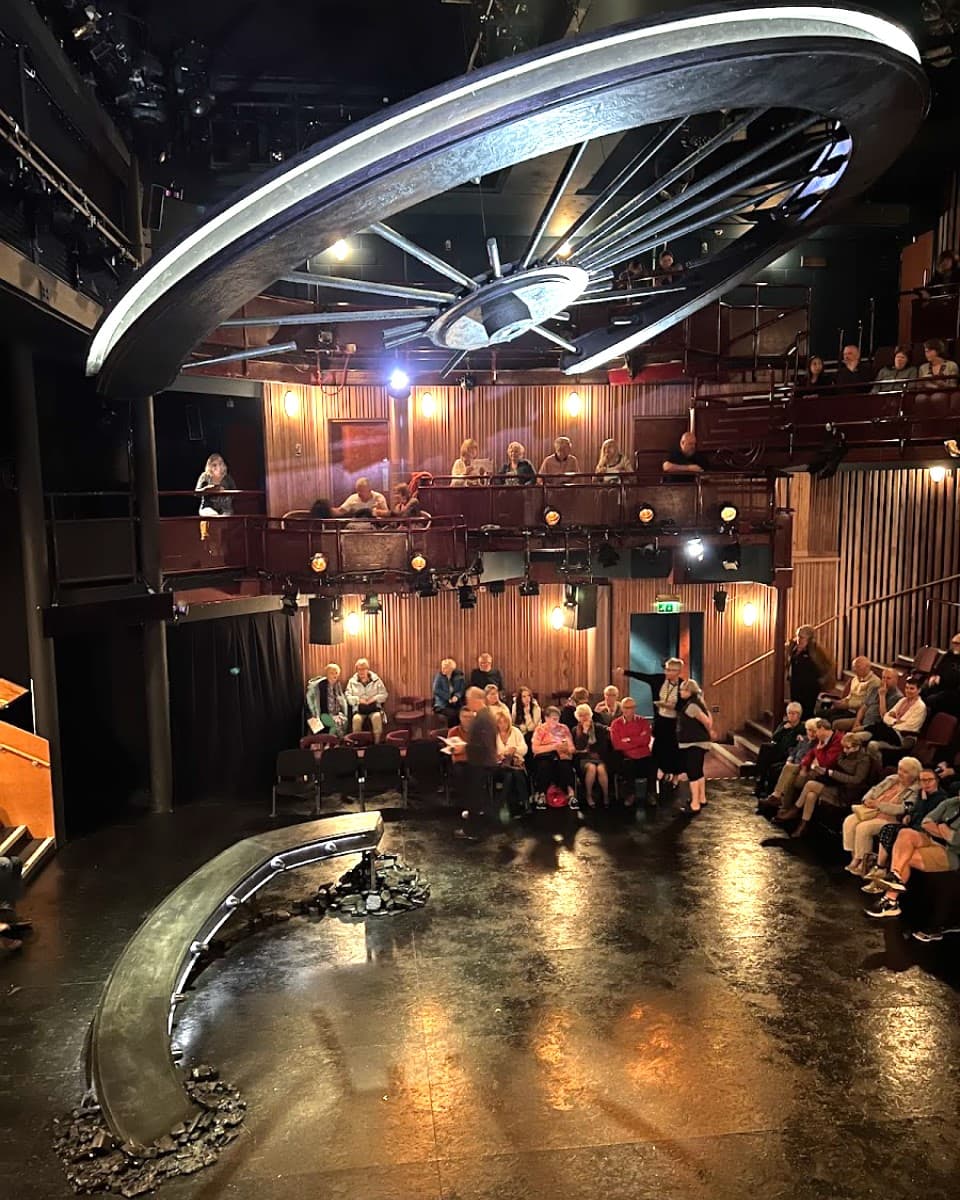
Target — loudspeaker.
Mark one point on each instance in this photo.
(324, 630)
(586, 609)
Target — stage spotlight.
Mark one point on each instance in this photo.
(371, 605)
(318, 563)
(728, 513)
(340, 250)
(952, 447)
(558, 618)
(730, 557)
(720, 600)
(467, 596)
(574, 404)
(417, 562)
(551, 516)
(937, 474)
(468, 382)
(529, 587)
(425, 585)
(496, 588)
(289, 606)
(569, 595)
(831, 454)
(398, 385)
(748, 614)
(646, 514)
(607, 555)
(693, 548)
(352, 623)
(291, 403)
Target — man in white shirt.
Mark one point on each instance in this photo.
(864, 681)
(363, 501)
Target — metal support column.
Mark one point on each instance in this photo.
(36, 570)
(154, 632)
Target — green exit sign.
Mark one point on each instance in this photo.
(666, 604)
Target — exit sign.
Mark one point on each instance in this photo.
(666, 604)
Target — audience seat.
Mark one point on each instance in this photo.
(382, 768)
(926, 659)
(363, 738)
(426, 767)
(398, 737)
(339, 769)
(412, 712)
(318, 741)
(937, 734)
(296, 776)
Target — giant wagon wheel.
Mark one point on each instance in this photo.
(805, 105)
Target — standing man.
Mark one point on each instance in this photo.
(561, 461)
(482, 754)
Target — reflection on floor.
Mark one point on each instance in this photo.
(678, 1008)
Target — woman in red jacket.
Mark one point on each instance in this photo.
(632, 740)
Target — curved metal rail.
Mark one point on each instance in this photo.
(129, 1064)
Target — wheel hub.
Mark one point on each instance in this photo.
(505, 309)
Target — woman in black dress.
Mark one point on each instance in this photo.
(809, 669)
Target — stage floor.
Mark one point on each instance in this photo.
(685, 1008)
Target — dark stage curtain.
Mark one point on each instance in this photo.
(236, 700)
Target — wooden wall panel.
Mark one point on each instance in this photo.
(899, 530)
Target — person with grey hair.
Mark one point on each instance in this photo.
(863, 682)
(840, 785)
(561, 461)
(363, 502)
(518, 470)
(367, 697)
(665, 687)
(591, 742)
(773, 754)
(694, 730)
(823, 754)
(886, 801)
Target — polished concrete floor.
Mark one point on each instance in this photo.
(681, 1008)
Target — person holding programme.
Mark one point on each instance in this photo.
(517, 470)
(685, 462)
(694, 727)
(468, 470)
(367, 696)
(612, 463)
(561, 461)
(449, 686)
(327, 703)
(215, 479)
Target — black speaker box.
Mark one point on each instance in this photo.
(586, 606)
(324, 630)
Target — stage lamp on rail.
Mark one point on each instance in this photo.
(318, 563)
(467, 596)
(398, 384)
(730, 557)
(728, 514)
(551, 517)
(371, 605)
(694, 549)
(646, 514)
(607, 554)
(418, 562)
(529, 587)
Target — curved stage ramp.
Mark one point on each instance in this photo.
(129, 1064)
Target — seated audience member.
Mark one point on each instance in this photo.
(511, 756)
(863, 681)
(876, 702)
(518, 469)
(852, 373)
(364, 502)
(367, 695)
(466, 470)
(947, 271)
(526, 713)
(591, 743)
(772, 755)
(840, 785)
(630, 737)
(694, 730)
(215, 478)
(665, 690)
(901, 723)
(900, 372)
(685, 462)
(461, 730)
(608, 709)
(320, 510)
(823, 754)
(449, 688)
(552, 747)
(568, 713)
(913, 817)
(815, 379)
(789, 778)
(485, 672)
(561, 461)
(935, 846)
(612, 462)
(631, 274)
(937, 366)
(491, 698)
(941, 692)
(327, 702)
(405, 504)
(668, 271)
(886, 800)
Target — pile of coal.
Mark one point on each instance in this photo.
(96, 1162)
(383, 886)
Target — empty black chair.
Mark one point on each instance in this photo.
(427, 767)
(297, 776)
(382, 768)
(339, 769)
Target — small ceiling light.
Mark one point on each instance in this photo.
(748, 614)
(952, 448)
(730, 557)
(558, 618)
(426, 585)
(352, 623)
(551, 516)
(340, 250)
(291, 403)
(418, 562)
(728, 513)
(467, 596)
(937, 474)
(529, 587)
(646, 514)
(428, 406)
(574, 405)
(565, 250)
(694, 549)
(398, 384)
(318, 564)
(607, 554)
(371, 605)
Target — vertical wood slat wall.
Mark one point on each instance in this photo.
(898, 529)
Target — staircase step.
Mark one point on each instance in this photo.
(733, 755)
(35, 854)
(748, 744)
(12, 837)
(763, 732)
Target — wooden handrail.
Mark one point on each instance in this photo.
(30, 758)
(766, 654)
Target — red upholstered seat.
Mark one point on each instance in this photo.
(318, 741)
(398, 737)
(412, 712)
(364, 738)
